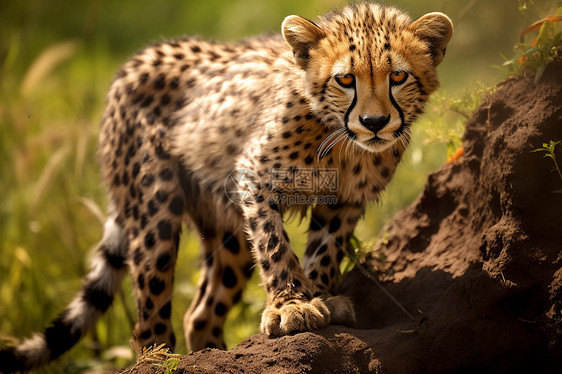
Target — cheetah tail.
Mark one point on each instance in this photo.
(95, 297)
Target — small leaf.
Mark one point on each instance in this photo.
(539, 73)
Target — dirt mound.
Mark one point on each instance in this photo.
(476, 260)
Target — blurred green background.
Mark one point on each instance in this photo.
(57, 59)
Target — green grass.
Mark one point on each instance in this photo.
(56, 62)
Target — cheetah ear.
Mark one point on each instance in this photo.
(302, 35)
(436, 29)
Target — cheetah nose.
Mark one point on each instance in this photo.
(374, 123)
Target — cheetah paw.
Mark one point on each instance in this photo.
(295, 316)
(341, 310)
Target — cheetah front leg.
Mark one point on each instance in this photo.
(290, 306)
(331, 227)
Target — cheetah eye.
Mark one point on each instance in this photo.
(346, 81)
(398, 77)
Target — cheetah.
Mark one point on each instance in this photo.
(285, 122)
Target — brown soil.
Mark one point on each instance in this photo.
(476, 260)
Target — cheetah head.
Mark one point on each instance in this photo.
(369, 69)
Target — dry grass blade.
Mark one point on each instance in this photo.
(155, 355)
(47, 175)
(47, 61)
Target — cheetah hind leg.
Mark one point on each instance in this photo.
(227, 265)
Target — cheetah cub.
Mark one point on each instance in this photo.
(230, 137)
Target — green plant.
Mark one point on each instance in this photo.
(536, 55)
(548, 150)
(447, 119)
(357, 250)
(170, 365)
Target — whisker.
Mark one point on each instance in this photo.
(332, 144)
(326, 147)
(343, 144)
(325, 141)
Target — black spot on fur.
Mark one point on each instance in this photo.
(152, 207)
(217, 331)
(147, 101)
(229, 279)
(237, 297)
(166, 311)
(339, 242)
(313, 274)
(268, 227)
(146, 334)
(253, 223)
(311, 247)
(147, 180)
(138, 256)
(325, 260)
(340, 255)
(164, 262)
(316, 223)
(95, 296)
(273, 206)
(334, 225)
(220, 309)
(322, 249)
(115, 260)
(385, 173)
(265, 265)
(324, 278)
(165, 100)
(60, 337)
(199, 324)
(277, 256)
(230, 242)
(159, 328)
(148, 304)
(161, 196)
(166, 174)
(273, 241)
(176, 206)
(175, 83)
(149, 240)
(248, 269)
(140, 281)
(156, 286)
(136, 170)
(160, 81)
(164, 230)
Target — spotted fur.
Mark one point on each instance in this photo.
(186, 118)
